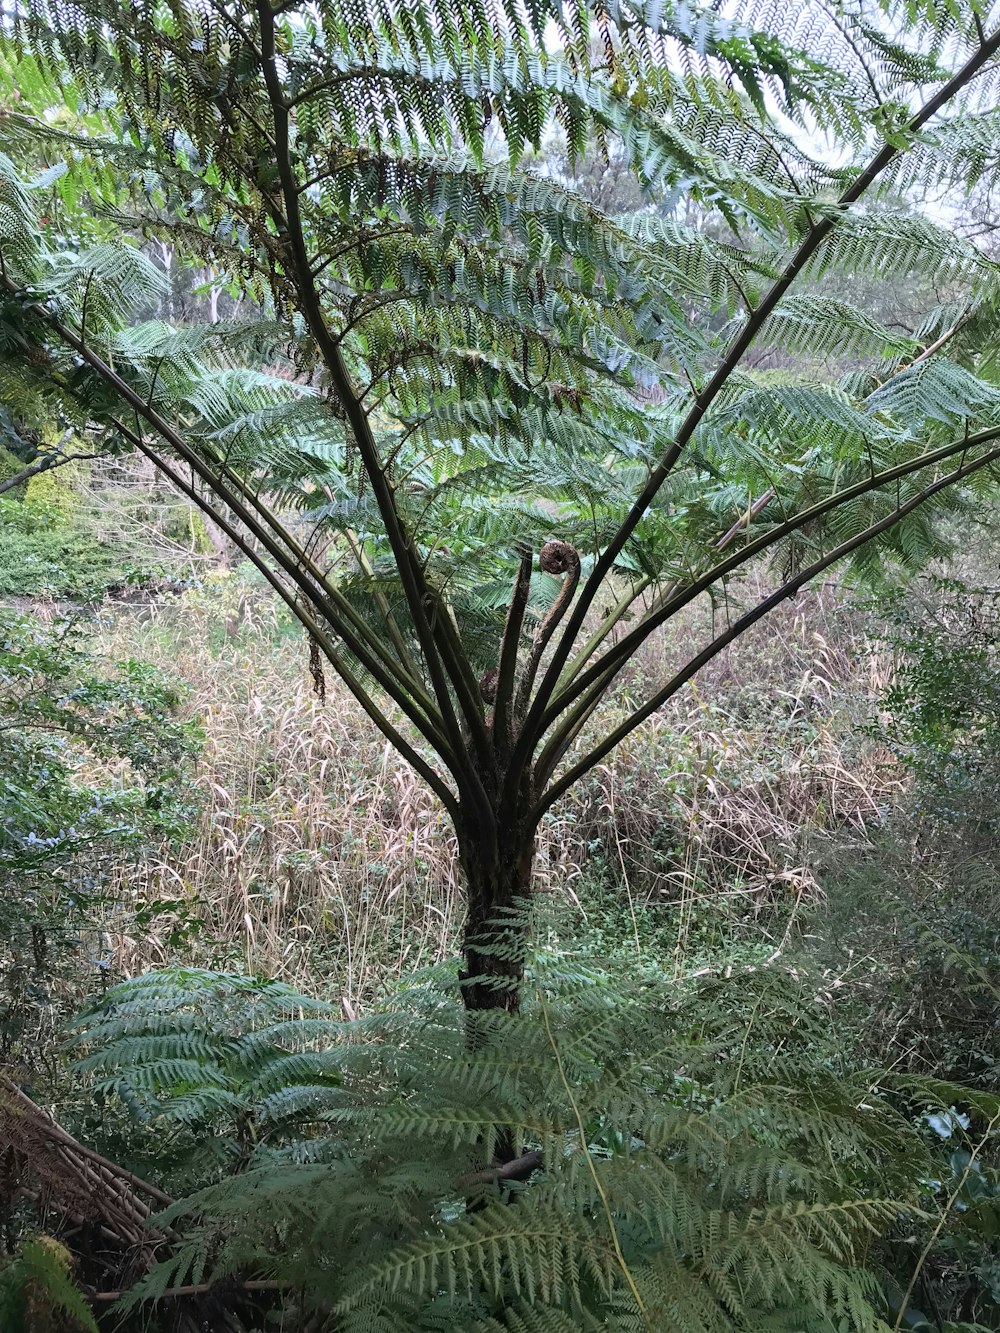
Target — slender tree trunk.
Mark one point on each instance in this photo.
(497, 871)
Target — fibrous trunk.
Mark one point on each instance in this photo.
(498, 883)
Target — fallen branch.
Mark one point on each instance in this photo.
(519, 1169)
(197, 1289)
(78, 1189)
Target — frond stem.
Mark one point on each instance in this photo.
(410, 573)
(509, 644)
(467, 686)
(392, 683)
(741, 625)
(659, 615)
(585, 1149)
(301, 613)
(740, 344)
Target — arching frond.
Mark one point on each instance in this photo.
(735, 1195)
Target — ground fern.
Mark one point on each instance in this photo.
(697, 1154)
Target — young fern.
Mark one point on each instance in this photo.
(37, 1292)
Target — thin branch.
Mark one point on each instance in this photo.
(745, 519)
(943, 341)
(855, 48)
(238, 29)
(355, 72)
(45, 464)
(199, 1289)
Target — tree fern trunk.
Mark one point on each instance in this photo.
(498, 883)
(498, 888)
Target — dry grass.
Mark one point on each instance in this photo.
(319, 858)
(317, 853)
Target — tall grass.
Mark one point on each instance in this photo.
(319, 858)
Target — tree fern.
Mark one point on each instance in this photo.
(462, 361)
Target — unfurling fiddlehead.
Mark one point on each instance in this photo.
(507, 665)
(554, 558)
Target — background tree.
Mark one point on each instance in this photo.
(463, 361)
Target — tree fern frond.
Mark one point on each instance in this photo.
(741, 1192)
(823, 326)
(890, 245)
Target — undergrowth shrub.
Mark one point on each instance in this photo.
(52, 498)
(45, 551)
(49, 544)
(919, 901)
(939, 715)
(911, 921)
(62, 563)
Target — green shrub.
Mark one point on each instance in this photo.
(53, 496)
(94, 767)
(939, 715)
(44, 554)
(918, 905)
(37, 1294)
